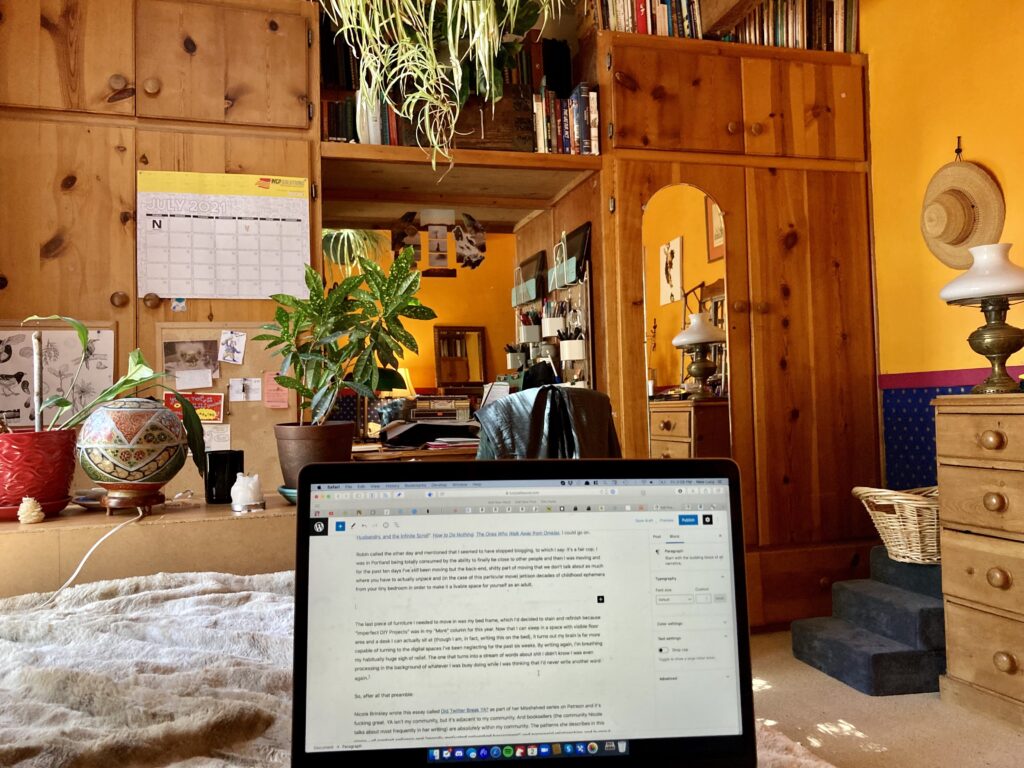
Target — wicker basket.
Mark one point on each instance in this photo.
(908, 521)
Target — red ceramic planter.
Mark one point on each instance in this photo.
(36, 464)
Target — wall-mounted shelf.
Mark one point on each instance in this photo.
(369, 186)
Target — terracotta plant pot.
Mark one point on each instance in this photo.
(36, 464)
(300, 445)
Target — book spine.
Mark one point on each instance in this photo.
(641, 17)
(583, 120)
(595, 125)
(604, 14)
(564, 115)
(677, 19)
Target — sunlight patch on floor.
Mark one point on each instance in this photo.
(761, 685)
(844, 728)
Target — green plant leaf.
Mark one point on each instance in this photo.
(78, 325)
(288, 301)
(193, 431)
(56, 400)
(418, 312)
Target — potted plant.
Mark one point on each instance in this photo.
(40, 462)
(335, 340)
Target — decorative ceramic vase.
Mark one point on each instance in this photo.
(132, 447)
(36, 464)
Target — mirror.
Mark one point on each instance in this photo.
(460, 355)
(687, 365)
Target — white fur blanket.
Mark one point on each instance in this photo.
(177, 669)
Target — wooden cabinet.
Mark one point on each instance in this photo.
(199, 61)
(978, 439)
(73, 55)
(68, 202)
(664, 99)
(696, 96)
(803, 109)
(688, 429)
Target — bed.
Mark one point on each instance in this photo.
(176, 669)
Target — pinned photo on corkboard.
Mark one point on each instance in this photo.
(670, 276)
(192, 356)
(716, 230)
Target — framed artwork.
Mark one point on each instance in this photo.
(670, 276)
(716, 230)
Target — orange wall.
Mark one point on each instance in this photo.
(937, 70)
(674, 211)
(480, 296)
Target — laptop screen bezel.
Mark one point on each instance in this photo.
(735, 750)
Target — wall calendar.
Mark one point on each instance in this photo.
(221, 235)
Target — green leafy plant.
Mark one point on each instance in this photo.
(139, 378)
(418, 54)
(338, 338)
(345, 247)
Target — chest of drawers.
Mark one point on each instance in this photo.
(688, 429)
(980, 448)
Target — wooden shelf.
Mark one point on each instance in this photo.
(370, 186)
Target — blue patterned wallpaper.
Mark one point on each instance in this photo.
(909, 425)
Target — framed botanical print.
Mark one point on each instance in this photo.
(716, 230)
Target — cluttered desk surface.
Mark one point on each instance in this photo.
(376, 452)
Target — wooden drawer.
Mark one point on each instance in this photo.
(671, 449)
(983, 569)
(985, 649)
(667, 424)
(988, 498)
(980, 436)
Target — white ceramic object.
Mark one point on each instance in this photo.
(246, 493)
(991, 274)
(700, 331)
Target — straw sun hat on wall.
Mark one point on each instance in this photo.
(963, 207)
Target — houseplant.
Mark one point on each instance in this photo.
(335, 340)
(419, 55)
(40, 463)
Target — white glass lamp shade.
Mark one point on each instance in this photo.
(700, 331)
(991, 274)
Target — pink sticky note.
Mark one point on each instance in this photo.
(274, 395)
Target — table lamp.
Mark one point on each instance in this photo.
(696, 339)
(992, 282)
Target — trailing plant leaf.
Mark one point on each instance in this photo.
(193, 430)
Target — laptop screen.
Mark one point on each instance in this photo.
(492, 619)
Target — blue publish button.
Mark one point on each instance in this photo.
(688, 519)
(339, 525)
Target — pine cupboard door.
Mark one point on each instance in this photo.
(223, 63)
(812, 329)
(67, 202)
(803, 109)
(67, 54)
(215, 153)
(669, 99)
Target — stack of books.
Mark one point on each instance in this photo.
(568, 126)
(667, 18)
(822, 25)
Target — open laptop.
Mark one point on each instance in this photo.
(487, 612)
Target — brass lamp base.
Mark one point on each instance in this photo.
(701, 368)
(996, 340)
(144, 499)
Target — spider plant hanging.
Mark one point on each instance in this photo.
(418, 55)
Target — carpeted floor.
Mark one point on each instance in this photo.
(851, 730)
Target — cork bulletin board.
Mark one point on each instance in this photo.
(251, 422)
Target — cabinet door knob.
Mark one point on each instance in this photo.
(993, 440)
(732, 128)
(151, 86)
(664, 425)
(762, 307)
(1005, 662)
(740, 306)
(994, 502)
(117, 82)
(626, 81)
(999, 578)
(119, 299)
(152, 301)
(666, 455)
(757, 128)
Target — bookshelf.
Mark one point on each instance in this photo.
(370, 186)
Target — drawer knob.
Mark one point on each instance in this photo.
(119, 299)
(151, 300)
(151, 86)
(732, 128)
(994, 502)
(757, 128)
(666, 455)
(993, 440)
(117, 82)
(999, 578)
(664, 425)
(1005, 662)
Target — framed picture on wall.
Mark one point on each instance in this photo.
(670, 276)
(716, 230)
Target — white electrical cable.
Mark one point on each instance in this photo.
(88, 554)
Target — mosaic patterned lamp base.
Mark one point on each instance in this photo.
(132, 447)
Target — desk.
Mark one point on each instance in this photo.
(458, 453)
